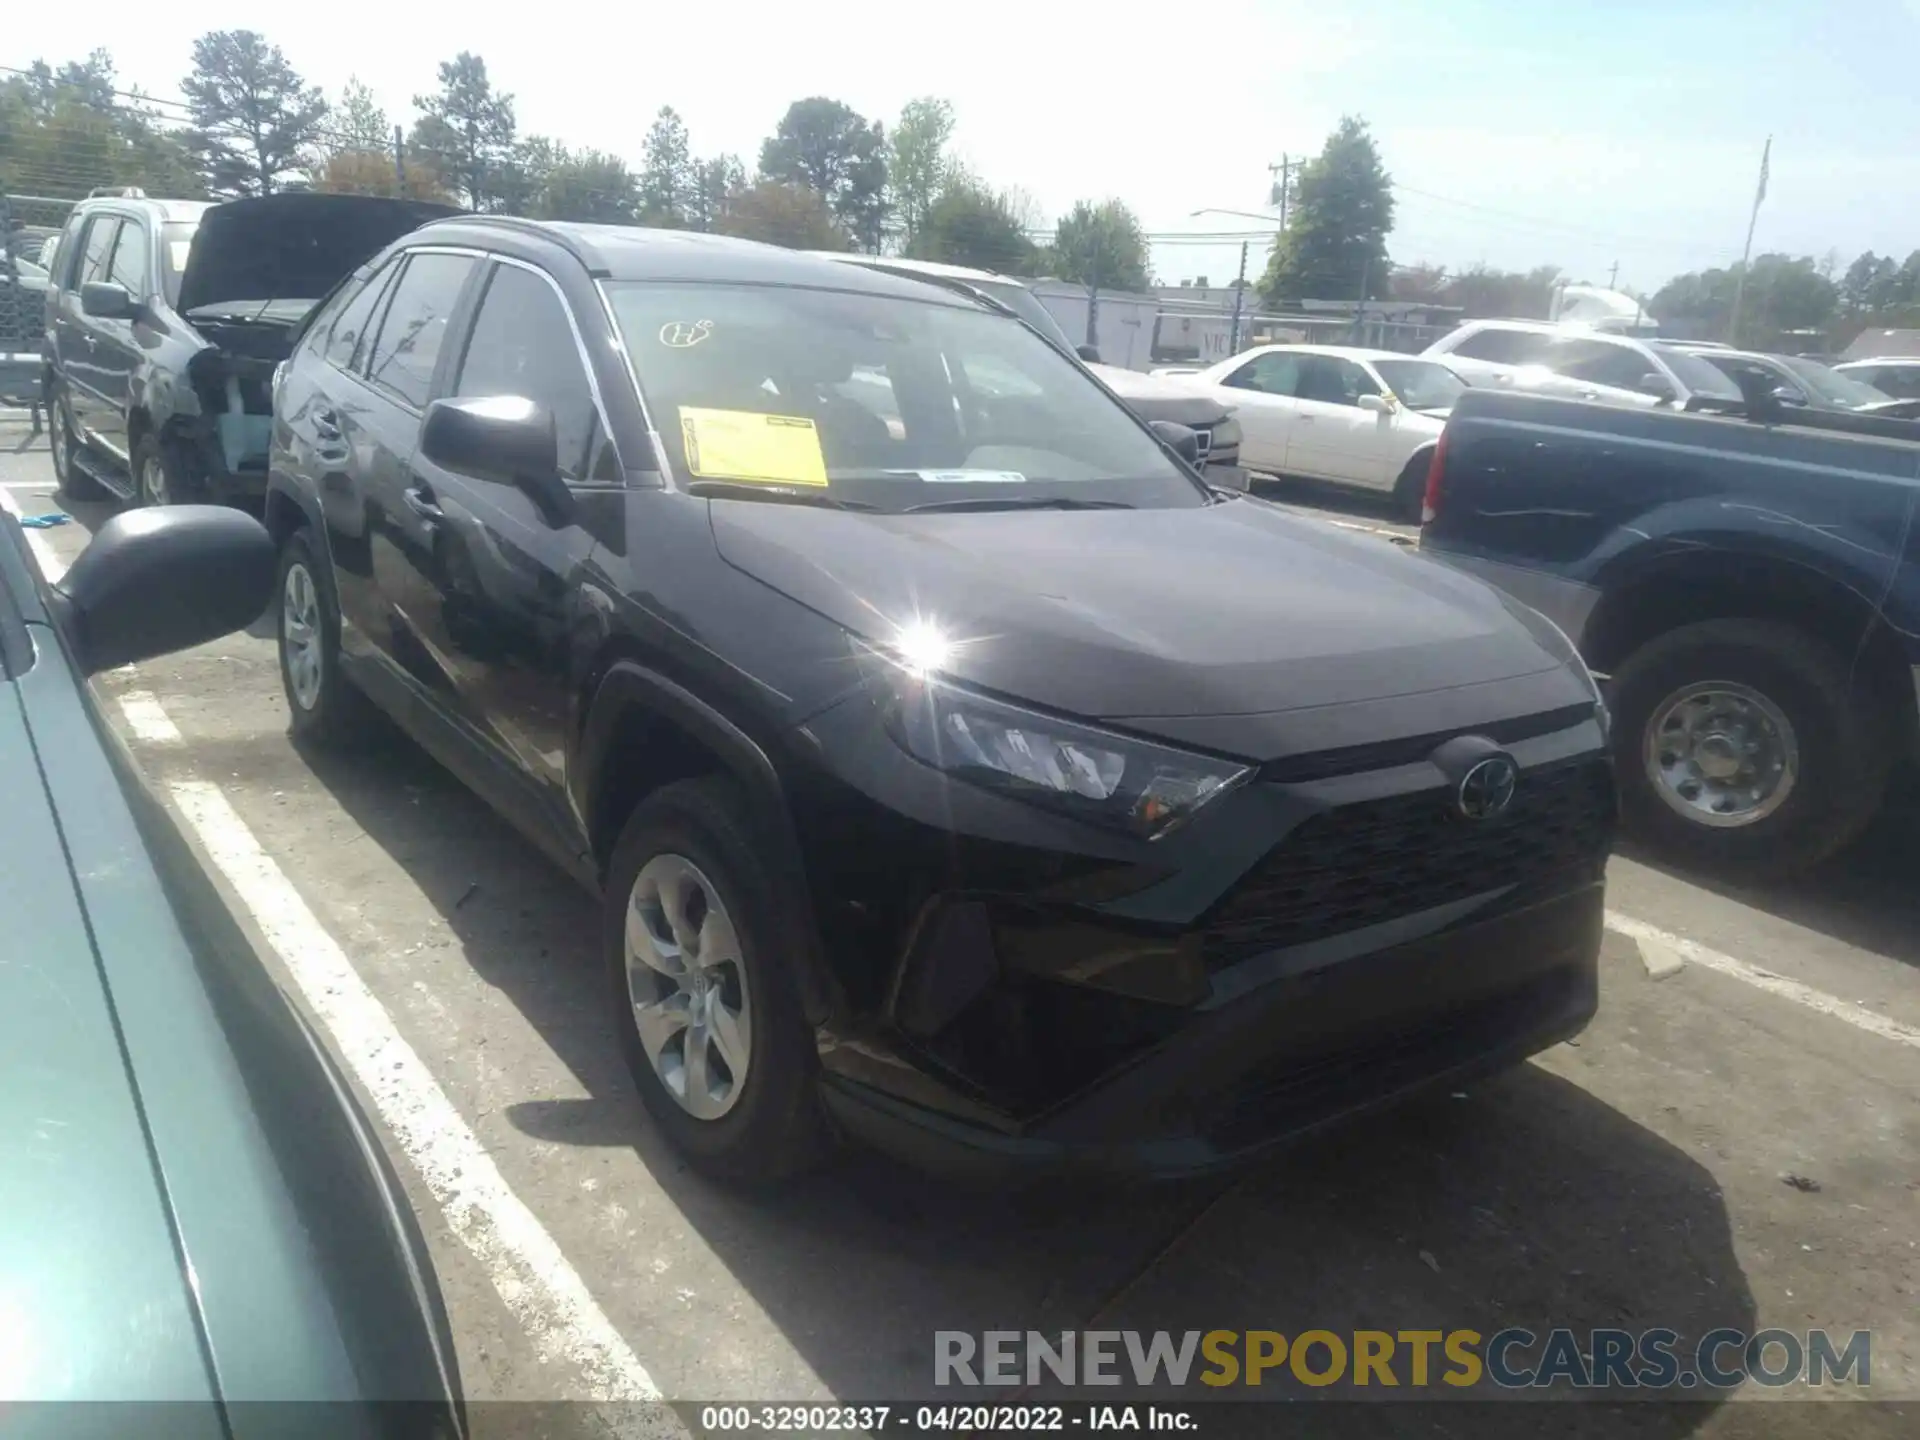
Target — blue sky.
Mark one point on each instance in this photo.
(1570, 133)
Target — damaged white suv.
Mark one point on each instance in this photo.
(165, 320)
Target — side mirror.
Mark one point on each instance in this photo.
(1787, 395)
(106, 301)
(505, 439)
(159, 580)
(1179, 438)
(1088, 353)
(1376, 404)
(1653, 383)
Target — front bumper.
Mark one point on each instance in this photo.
(1292, 1057)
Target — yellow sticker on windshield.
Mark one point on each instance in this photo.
(744, 445)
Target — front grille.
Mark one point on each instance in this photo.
(1379, 860)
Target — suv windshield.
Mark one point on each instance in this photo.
(1421, 384)
(876, 401)
(1696, 374)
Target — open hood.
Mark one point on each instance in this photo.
(1154, 397)
(295, 246)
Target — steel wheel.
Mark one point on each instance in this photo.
(60, 440)
(1721, 754)
(300, 636)
(688, 986)
(153, 480)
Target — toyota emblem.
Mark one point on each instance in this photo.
(1487, 788)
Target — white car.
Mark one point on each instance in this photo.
(1897, 375)
(1576, 362)
(1357, 417)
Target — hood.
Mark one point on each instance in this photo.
(1153, 397)
(295, 246)
(86, 1249)
(1230, 609)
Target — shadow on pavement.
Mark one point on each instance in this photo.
(1528, 1203)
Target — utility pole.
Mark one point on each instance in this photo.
(399, 163)
(1360, 305)
(1740, 284)
(1613, 276)
(1239, 299)
(1285, 171)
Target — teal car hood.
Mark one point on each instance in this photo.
(94, 1301)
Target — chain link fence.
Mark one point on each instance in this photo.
(29, 233)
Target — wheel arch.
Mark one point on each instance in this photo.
(1732, 585)
(641, 730)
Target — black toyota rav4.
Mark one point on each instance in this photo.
(958, 771)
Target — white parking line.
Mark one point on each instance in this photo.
(51, 565)
(1831, 1006)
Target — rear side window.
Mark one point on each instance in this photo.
(1503, 347)
(1618, 366)
(415, 324)
(355, 318)
(522, 344)
(99, 248)
(130, 256)
(1277, 373)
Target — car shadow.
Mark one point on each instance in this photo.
(1528, 1202)
(1864, 896)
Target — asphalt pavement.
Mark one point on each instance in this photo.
(1734, 1142)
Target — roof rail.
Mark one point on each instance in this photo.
(519, 222)
(116, 192)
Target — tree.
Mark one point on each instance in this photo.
(592, 186)
(466, 132)
(1101, 245)
(255, 120)
(667, 174)
(968, 224)
(1857, 284)
(917, 163)
(64, 132)
(359, 123)
(715, 184)
(828, 148)
(1782, 292)
(783, 213)
(366, 172)
(1335, 243)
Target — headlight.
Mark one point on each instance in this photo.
(1116, 781)
(1226, 433)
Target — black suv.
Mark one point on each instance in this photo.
(164, 320)
(957, 769)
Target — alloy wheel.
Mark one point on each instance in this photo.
(1721, 754)
(153, 482)
(300, 635)
(687, 984)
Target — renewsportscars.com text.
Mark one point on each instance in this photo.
(1513, 1358)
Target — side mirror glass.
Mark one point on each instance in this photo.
(1181, 439)
(1377, 404)
(505, 439)
(106, 301)
(158, 580)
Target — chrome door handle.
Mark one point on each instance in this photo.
(422, 505)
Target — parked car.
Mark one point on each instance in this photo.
(166, 320)
(193, 1208)
(1358, 417)
(989, 789)
(1800, 382)
(1579, 363)
(1149, 396)
(1898, 376)
(1749, 589)
(23, 309)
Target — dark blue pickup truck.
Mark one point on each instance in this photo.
(1748, 586)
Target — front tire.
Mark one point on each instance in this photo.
(156, 474)
(323, 706)
(1748, 745)
(700, 976)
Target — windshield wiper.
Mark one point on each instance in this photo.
(779, 494)
(1017, 502)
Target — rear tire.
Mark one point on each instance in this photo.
(1410, 490)
(1839, 744)
(62, 443)
(324, 707)
(773, 1127)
